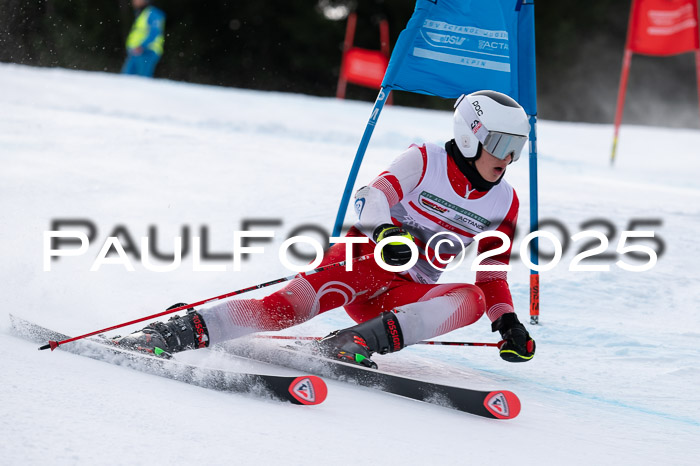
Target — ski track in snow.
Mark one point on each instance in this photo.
(615, 377)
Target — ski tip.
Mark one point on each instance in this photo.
(502, 404)
(308, 390)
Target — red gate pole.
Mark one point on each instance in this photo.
(697, 70)
(384, 47)
(347, 44)
(626, 61)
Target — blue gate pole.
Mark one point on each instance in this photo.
(534, 225)
(352, 177)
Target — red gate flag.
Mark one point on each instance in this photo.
(658, 27)
(362, 66)
(365, 67)
(663, 27)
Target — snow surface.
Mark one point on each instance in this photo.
(615, 379)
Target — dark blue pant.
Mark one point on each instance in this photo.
(141, 65)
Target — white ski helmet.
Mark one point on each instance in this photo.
(493, 119)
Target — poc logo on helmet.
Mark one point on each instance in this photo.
(477, 108)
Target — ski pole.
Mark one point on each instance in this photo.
(458, 343)
(55, 344)
(427, 342)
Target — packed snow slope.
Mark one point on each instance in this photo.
(615, 379)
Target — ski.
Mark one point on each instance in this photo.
(303, 390)
(494, 404)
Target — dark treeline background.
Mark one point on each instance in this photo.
(293, 46)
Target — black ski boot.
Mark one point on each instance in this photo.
(162, 339)
(356, 344)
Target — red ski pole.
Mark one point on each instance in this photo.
(55, 344)
(427, 342)
(458, 343)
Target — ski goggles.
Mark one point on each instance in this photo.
(501, 144)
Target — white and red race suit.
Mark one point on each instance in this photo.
(424, 192)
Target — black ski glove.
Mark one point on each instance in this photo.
(395, 253)
(517, 345)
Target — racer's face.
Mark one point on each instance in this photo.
(491, 168)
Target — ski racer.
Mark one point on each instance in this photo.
(457, 189)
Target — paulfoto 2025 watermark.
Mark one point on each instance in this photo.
(119, 248)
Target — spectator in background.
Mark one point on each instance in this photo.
(144, 44)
